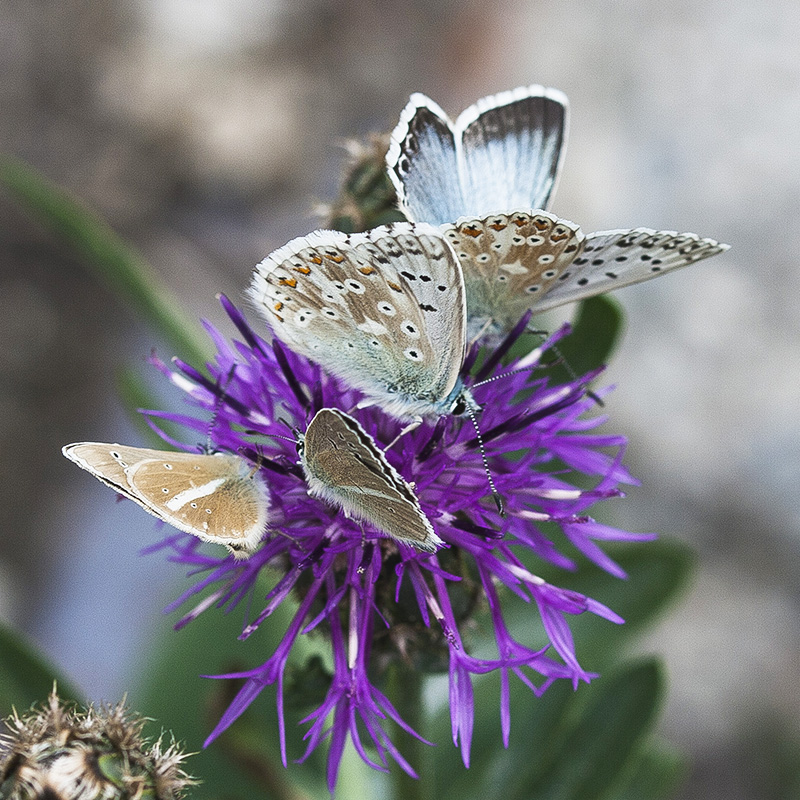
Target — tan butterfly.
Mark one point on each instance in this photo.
(344, 467)
(219, 498)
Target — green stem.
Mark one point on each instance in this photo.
(405, 691)
(110, 258)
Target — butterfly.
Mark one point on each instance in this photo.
(383, 311)
(520, 261)
(502, 153)
(487, 181)
(218, 497)
(343, 466)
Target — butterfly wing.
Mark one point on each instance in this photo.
(344, 466)
(383, 311)
(237, 499)
(218, 498)
(422, 163)
(503, 152)
(612, 259)
(509, 260)
(109, 462)
(510, 148)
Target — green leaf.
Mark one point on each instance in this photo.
(26, 676)
(596, 331)
(591, 758)
(656, 773)
(658, 572)
(244, 762)
(110, 258)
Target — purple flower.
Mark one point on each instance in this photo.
(377, 600)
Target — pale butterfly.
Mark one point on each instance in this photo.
(343, 466)
(519, 261)
(383, 311)
(503, 152)
(218, 497)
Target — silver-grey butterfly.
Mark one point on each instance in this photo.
(343, 466)
(534, 260)
(218, 498)
(384, 311)
(504, 152)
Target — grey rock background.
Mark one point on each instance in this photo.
(205, 131)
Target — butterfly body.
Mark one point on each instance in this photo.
(383, 310)
(344, 467)
(219, 498)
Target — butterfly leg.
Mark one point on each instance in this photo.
(412, 426)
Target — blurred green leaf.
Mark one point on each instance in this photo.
(26, 677)
(135, 394)
(244, 762)
(589, 760)
(111, 259)
(656, 773)
(596, 331)
(658, 572)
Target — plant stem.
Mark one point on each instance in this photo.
(405, 691)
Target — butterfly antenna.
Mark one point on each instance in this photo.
(568, 367)
(574, 376)
(498, 500)
(222, 387)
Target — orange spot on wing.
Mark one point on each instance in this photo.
(302, 270)
(337, 258)
(394, 286)
(366, 270)
(278, 306)
(472, 230)
(287, 282)
(315, 259)
(498, 226)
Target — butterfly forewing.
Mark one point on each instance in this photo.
(108, 462)
(218, 498)
(423, 165)
(612, 259)
(509, 260)
(382, 310)
(344, 466)
(511, 149)
(504, 152)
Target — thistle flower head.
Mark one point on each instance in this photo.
(61, 751)
(376, 600)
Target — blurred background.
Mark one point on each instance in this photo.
(208, 131)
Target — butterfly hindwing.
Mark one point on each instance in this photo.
(344, 466)
(218, 498)
(509, 260)
(215, 497)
